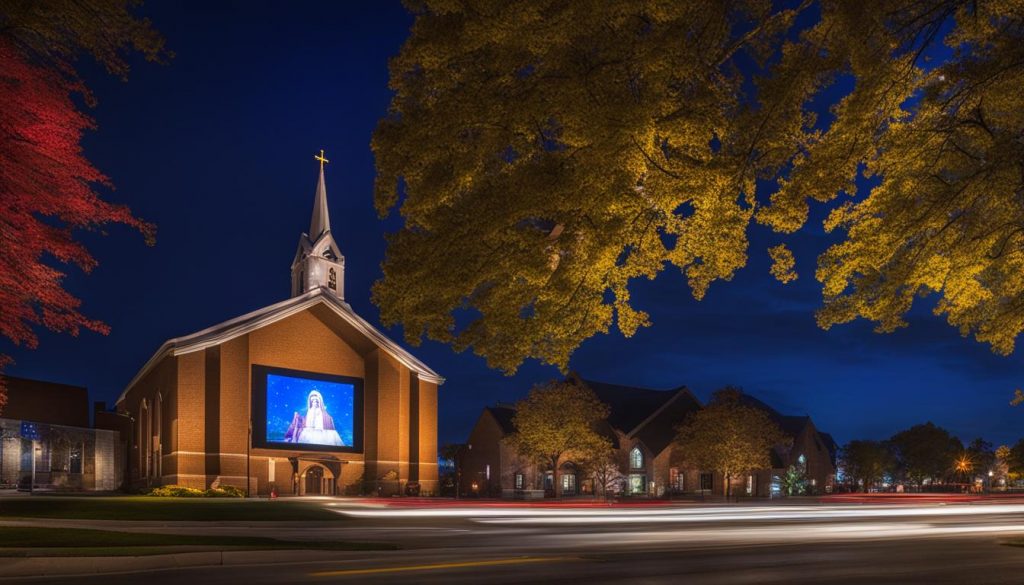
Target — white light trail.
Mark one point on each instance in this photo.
(506, 515)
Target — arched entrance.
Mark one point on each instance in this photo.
(316, 480)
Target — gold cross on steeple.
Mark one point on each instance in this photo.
(321, 159)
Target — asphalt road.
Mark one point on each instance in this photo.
(729, 544)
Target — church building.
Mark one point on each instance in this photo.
(301, 397)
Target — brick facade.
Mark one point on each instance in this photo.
(645, 420)
(191, 413)
(46, 402)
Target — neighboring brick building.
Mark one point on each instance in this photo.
(46, 402)
(642, 426)
(336, 407)
(49, 422)
(809, 448)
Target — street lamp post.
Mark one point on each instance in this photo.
(32, 480)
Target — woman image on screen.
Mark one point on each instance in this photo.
(316, 427)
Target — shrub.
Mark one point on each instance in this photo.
(234, 491)
(226, 491)
(176, 491)
(180, 491)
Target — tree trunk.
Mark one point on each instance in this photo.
(554, 478)
(728, 485)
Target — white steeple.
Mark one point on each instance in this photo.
(321, 221)
(318, 261)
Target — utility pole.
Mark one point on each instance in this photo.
(248, 463)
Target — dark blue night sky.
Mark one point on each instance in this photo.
(217, 149)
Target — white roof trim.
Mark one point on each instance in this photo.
(249, 322)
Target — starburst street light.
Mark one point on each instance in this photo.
(964, 464)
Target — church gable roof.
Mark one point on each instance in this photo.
(249, 322)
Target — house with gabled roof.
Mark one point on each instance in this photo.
(807, 449)
(641, 426)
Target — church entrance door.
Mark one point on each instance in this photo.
(314, 480)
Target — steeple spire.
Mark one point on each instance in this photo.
(318, 262)
(321, 221)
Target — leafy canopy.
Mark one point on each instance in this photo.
(559, 419)
(981, 454)
(794, 480)
(867, 461)
(728, 436)
(926, 451)
(47, 186)
(544, 154)
(1013, 459)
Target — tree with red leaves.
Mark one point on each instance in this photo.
(48, 188)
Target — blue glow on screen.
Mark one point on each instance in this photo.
(288, 407)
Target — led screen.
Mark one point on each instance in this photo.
(305, 410)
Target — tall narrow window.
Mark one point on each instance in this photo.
(706, 481)
(636, 458)
(677, 480)
(519, 481)
(26, 455)
(569, 484)
(44, 453)
(75, 459)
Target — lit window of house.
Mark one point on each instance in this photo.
(636, 458)
(677, 480)
(520, 480)
(706, 481)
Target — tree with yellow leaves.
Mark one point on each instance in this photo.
(728, 437)
(557, 421)
(544, 154)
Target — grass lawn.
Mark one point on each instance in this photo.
(31, 541)
(149, 508)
